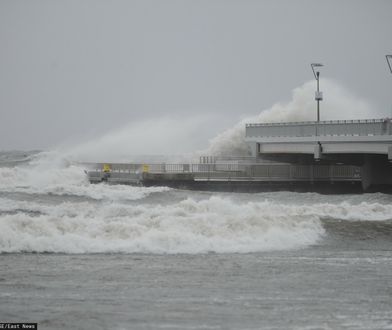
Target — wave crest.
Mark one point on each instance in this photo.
(216, 224)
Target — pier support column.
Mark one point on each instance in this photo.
(376, 171)
(254, 148)
(318, 151)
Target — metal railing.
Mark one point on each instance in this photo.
(249, 172)
(369, 127)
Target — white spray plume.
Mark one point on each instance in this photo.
(338, 104)
(176, 139)
(158, 139)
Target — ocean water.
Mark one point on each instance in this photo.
(75, 255)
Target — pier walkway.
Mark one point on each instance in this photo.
(331, 156)
(318, 138)
(230, 176)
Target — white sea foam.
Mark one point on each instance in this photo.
(51, 173)
(216, 224)
(221, 224)
(363, 211)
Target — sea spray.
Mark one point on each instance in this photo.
(177, 139)
(127, 219)
(339, 104)
(161, 139)
(68, 181)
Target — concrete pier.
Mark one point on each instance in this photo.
(373, 136)
(234, 177)
(330, 156)
(363, 143)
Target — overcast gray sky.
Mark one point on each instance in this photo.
(76, 69)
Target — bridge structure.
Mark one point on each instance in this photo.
(321, 138)
(367, 143)
(328, 156)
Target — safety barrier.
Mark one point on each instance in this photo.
(371, 127)
(269, 171)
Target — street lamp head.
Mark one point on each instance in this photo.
(318, 95)
(389, 61)
(314, 65)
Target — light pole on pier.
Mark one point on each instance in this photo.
(389, 61)
(318, 95)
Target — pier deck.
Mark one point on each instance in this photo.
(306, 156)
(230, 176)
(373, 136)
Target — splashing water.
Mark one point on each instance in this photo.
(338, 104)
(48, 205)
(214, 223)
(177, 139)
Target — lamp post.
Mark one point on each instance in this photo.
(318, 95)
(389, 61)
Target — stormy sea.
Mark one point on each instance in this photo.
(80, 256)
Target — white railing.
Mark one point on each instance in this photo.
(368, 127)
(273, 172)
